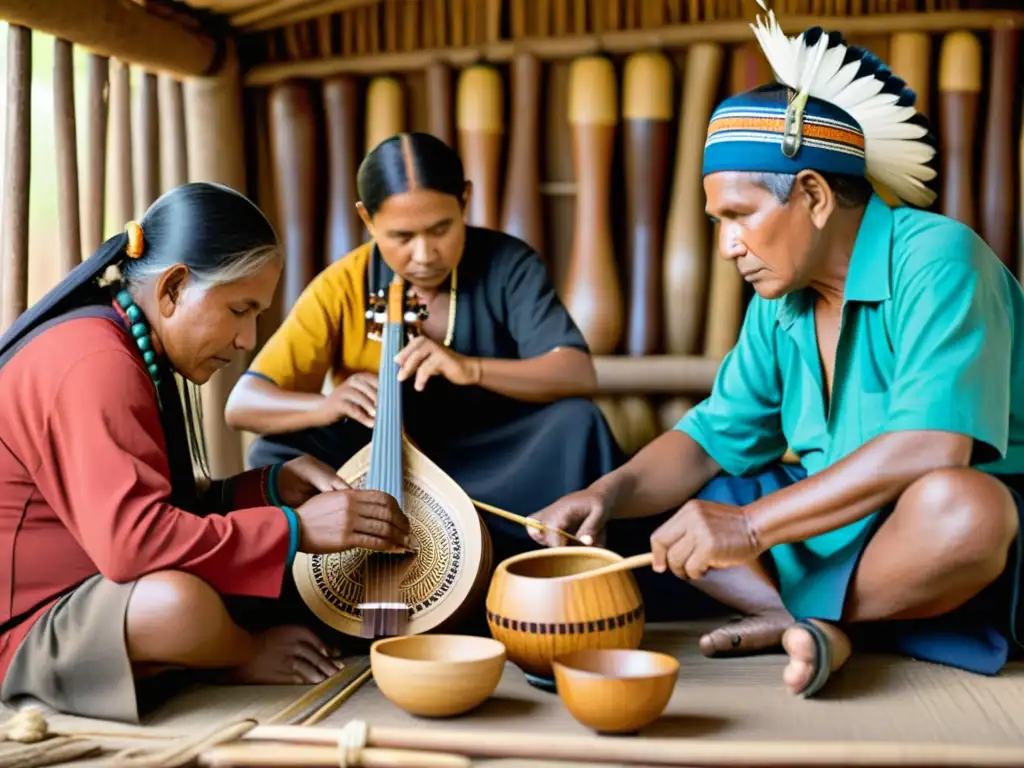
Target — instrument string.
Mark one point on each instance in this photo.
(382, 599)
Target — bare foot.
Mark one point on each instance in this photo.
(290, 655)
(803, 654)
(749, 634)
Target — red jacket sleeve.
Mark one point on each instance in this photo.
(246, 489)
(104, 470)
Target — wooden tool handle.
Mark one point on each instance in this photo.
(529, 522)
(636, 561)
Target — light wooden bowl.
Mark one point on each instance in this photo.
(437, 675)
(615, 691)
(538, 614)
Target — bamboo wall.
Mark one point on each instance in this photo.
(582, 126)
(115, 151)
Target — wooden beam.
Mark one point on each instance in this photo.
(678, 36)
(126, 31)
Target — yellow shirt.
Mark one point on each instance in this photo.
(325, 332)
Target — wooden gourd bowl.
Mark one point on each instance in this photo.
(538, 613)
(615, 691)
(437, 675)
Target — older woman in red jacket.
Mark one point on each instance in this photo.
(117, 562)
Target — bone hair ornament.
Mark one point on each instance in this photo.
(899, 148)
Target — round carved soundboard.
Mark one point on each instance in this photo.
(454, 550)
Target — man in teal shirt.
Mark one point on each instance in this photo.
(881, 348)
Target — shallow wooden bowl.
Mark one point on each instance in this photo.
(539, 614)
(437, 675)
(615, 691)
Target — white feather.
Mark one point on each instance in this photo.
(895, 155)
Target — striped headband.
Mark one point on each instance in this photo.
(747, 133)
(836, 108)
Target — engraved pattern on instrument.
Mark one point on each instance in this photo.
(338, 577)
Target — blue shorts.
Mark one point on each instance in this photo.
(980, 636)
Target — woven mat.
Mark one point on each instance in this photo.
(873, 698)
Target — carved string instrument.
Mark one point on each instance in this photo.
(369, 594)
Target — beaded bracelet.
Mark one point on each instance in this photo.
(271, 485)
(293, 533)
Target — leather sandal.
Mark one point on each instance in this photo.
(822, 659)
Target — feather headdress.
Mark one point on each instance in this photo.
(840, 99)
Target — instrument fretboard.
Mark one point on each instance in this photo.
(386, 444)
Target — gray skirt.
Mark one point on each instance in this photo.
(75, 658)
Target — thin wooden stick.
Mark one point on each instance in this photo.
(338, 699)
(322, 699)
(529, 522)
(252, 755)
(697, 753)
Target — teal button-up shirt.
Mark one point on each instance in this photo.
(927, 342)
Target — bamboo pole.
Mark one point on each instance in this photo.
(96, 159)
(18, 149)
(146, 143)
(121, 158)
(628, 41)
(173, 151)
(216, 152)
(114, 28)
(69, 225)
(630, 750)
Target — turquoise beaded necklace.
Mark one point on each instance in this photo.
(140, 331)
